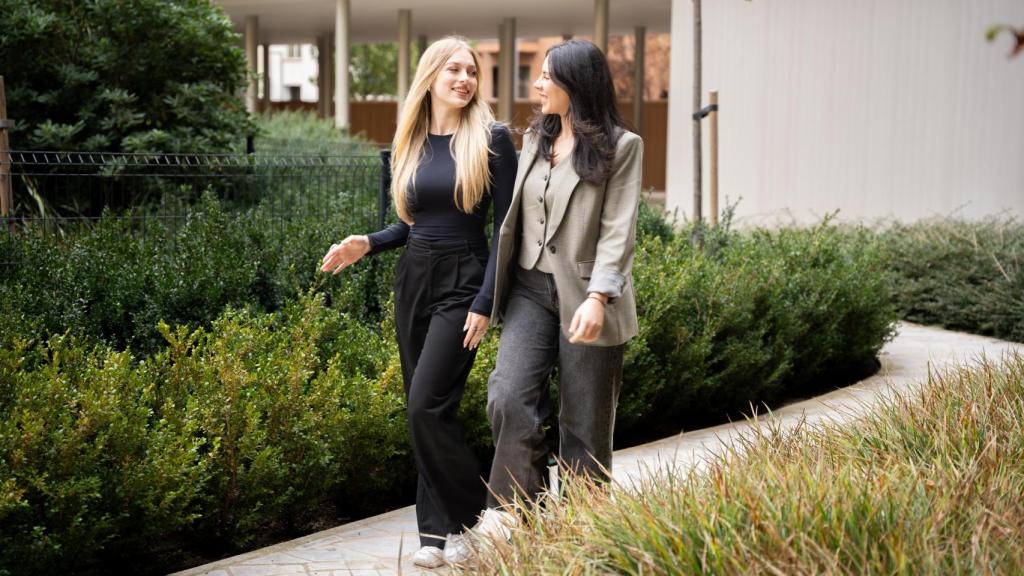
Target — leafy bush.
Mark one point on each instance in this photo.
(247, 428)
(114, 284)
(929, 483)
(754, 317)
(114, 75)
(303, 132)
(961, 275)
(270, 397)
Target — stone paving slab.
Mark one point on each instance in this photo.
(384, 544)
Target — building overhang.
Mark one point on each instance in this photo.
(301, 21)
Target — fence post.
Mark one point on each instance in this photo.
(713, 102)
(384, 194)
(6, 195)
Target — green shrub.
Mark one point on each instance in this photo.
(961, 275)
(113, 283)
(303, 132)
(113, 75)
(86, 463)
(254, 426)
(754, 317)
(273, 397)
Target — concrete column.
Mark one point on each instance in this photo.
(265, 79)
(421, 44)
(341, 43)
(329, 77)
(404, 49)
(640, 35)
(601, 24)
(506, 69)
(251, 42)
(322, 48)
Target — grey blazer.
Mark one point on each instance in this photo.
(591, 236)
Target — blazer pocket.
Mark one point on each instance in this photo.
(585, 269)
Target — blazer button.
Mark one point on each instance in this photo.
(551, 249)
(540, 199)
(545, 178)
(541, 243)
(541, 220)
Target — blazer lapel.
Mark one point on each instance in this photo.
(562, 185)
(526, 159)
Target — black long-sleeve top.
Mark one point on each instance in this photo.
(436, 217)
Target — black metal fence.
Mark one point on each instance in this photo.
(63, 192)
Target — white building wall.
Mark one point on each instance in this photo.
(875, 108)
(299, 71)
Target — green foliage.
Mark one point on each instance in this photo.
(961, 275)
(247, 428)
(112, 283)
(115, 75)
(89, 461)
(261, 397)
(373, 69)
(303, 132)
(754, 317)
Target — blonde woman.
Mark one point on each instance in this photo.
(450, 162)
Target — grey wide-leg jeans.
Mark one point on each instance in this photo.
(517, 393)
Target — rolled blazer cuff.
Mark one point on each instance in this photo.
(607, 282)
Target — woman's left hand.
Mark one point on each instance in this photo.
(475, 329)
(587, 321)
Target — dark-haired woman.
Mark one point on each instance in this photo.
(563, 287)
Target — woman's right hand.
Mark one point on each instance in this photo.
(343, 255)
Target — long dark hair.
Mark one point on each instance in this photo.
(580, 68)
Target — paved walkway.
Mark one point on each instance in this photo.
(384, 544)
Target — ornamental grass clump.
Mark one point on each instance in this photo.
(930, 483)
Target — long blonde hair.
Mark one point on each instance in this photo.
(469, 146)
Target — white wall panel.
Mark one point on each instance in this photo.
(875, 108)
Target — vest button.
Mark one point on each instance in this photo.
(540, 242)
(551, 249)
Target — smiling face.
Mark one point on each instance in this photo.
(553, 99)
(456, 82)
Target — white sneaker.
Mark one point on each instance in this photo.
(429, 557)
(458, 549)
(496, 525)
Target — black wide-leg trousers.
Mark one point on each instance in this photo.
(435, 284)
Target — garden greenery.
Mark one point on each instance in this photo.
(225, 392)
(928, 483)
(116, 75)
(963, 275)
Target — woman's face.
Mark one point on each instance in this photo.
(455, 84)
(553, 99)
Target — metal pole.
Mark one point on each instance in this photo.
(697, 213)
(713, 104)
(384, 193)
(6, 196)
